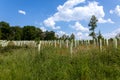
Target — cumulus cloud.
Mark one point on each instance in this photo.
(111, 11)
(22, 12)
(112, 34)
(70, 4)
(51, 23)
(79, 27)
(60, 33)
(80, 35)
(100, 20)
(43, 28)
(71, 11)
(116, 10)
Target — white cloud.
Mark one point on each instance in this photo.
(66, 13)
(43, 28)
(51, 23)
(116, 10)
(112, 34)
(80, 35)
(22, 12)
(79, 27)
(72, 3)
(60, 33)
(71, 11)
(100, 20)
(111, 11)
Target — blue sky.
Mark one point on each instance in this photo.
(63, 16)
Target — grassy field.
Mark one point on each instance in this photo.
(54, 63)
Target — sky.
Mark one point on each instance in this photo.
(64, 16)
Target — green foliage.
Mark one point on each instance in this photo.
(49, 35)
(28, 32)
(8, 32)
(100, 35)
(118, 36)
(64, 37)
(16, 33)
(8, 49)
(93, 24)
(0, 33)
(67, 37)
(72, 37)
(56, 64)
(38, 33)
(5, 30)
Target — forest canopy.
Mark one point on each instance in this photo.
(8, 32)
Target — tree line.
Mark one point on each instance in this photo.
(8, 32)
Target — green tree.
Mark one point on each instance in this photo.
(5, 30)
(43, 35)
(29, 32)
(38, 33)
(57, 37)
(15, 33)
(49, 35)
(93, 24)
(118, 36)
(64, 37)
(0, 33)
(100, 35)
(72, 37)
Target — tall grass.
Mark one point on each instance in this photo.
(55, 63)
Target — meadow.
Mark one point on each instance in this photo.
(59, 62)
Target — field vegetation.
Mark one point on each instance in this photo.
(28, 53)
(87, 62)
